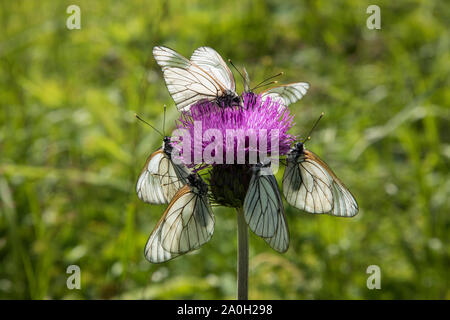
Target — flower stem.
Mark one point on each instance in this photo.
(242, 265)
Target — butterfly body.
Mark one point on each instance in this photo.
(198, 184)
(167, 147)
(228, 99)
(297, 151)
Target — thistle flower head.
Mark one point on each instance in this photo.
(256, 125)
(232, 138)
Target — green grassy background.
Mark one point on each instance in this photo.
(71, 149)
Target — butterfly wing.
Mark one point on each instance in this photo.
(286, 94)
(310, 185)
(186, 81)
(148, 186)
(187, 223)
(209, 60)
(280, 240)
(264, 211)
(160, 179)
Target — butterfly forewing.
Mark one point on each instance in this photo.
(189, 82)
(160, 179)
(187, 223)
(286, 94)
(172, 177)
(148, 187)
(168, 58)
(209, 60)
(154, 251)
(261, 205)
(310, 185)
(264, 211)
(306, 187)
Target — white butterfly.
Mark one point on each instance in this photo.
(287, 93)
(187, 223)
(205, 77)
(263, 208)
(161, 178)
(310, 185)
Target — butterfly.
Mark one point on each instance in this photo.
(310, 185)
(161, 178)
(285, 94)
(263, 208)
(205, 77)
(187, 223)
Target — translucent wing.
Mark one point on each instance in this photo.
(160, 179)
(280, 240)
(209, 60)
(263, 206)
(310, 185)
(286, 94)
(186, 81)
(187, 223)
(264, 211)
(168, 58)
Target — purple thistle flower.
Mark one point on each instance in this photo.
(241, 136)
(266, 120)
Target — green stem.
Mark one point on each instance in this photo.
(242, 265)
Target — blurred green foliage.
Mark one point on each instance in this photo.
(71, 149)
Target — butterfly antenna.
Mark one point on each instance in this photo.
(264, 84)
(308, 137)
(164, 123)
(232, 64)
(139, 118)
(264, 81)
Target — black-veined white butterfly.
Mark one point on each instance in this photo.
(205, 77)
(187, 223)
(263, 208)
(284, 94)
(310, 185)
(161, 178)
